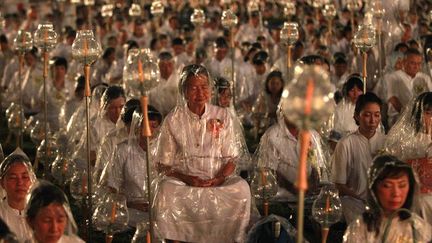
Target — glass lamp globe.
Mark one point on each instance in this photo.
(15, 117)
(78, 185)
(157, 8)
(111, 214)
(45, 38)
(315, 3)
(85, 48)
(226, 2)
(198, 17)
(107, 10)
(141, 232)
(135, 10)
(23, 41)
(354, 5)
(365, 37)
(130, 73)
(264, 184)
(37, 133)
(327, 208)
(307, 101)
(290, 9)
(289, 34)
(2, 22)
(329, 11)
(75, 1)
(149, 69)
(377, 9)
(47, 156)
(63, 169)
(89, 2)
(253, 6)
(229, 19)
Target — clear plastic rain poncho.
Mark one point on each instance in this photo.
(410, 140)
(279, 150)
(126, 172)
(402, 225)
(13, 217)
(45, 194)
(200, 150)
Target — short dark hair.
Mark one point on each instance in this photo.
(412, 51)
(273, 74)
(60, 61)
(422, 103)
(108, 51)
(365, 99)
(353, 80)
(128, 110)
(112, 93)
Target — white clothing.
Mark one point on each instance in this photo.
(63, 239)
(165, 96)
(352, 158)
(399, 231)
(16, 220)
(220, 68)
(200, 214)
(344, 122)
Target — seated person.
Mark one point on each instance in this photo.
(16, 177)
(392, 191)
(48, 215)
(200, 199)
(354, 153)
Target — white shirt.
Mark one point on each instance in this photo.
(404, 87)
(344, 122)
(352, 158)
(16, 220)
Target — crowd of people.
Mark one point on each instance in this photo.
(215, 117)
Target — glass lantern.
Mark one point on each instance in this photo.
(329, 11)
(377, 9)
(46, 156)
(23, 41)
(37, 133)
(15, 117)
(229, 19)
(85, 48)
(315, 3)
(253, 6)
(89, 2)
(365, 37)
(264, 184)
(309, 82)
(135, 10)
(290, 9)
(157, 8)
(141, 232)
(45, 38)
(130, 73)
(63, 169)
(198, 17)
(75, 1)
(107, 10)
(148, 70)
(327, 208)
(289, 34)
(111, 214)
(354, 5)
(78, 185)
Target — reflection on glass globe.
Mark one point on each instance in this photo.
(135, 10)
(85, 48)
(329, 11)
(253, 6)
(377, 9)
(37, 133)
(78, 185)
(47, 156)
(150, 70)
(107, 10)
(111, 215)
(264, 184)
(229, 19)
(365, 37)
(198, 17)
(89, 2)
(310, 82)
(63, 169)
(75, 1)
(45, 38)
(327, 208)
(141, 232)
(23, 41)
(157, 8)
(289, 34)
(354, 5)
(315, 3)
(15, 117)
(290, 8)
(130, 73)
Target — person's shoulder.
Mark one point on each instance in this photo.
(70, 239)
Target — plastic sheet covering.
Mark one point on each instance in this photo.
(399, 231)
(200, 150)
(279, 150)
(43, 194)
(344, 122)
(126, 172)
(411, 136)
(13, 217)
(272, 229)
